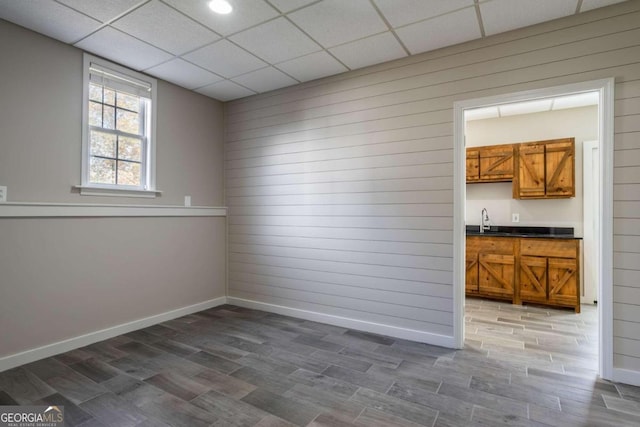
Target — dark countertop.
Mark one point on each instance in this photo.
(507, 231)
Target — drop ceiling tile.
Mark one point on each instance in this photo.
(124, 49)
(313, 66)
(276, 41)
(594, 4)
(285, 6)
(265, 80)
(481, 113)
(417, 10)
(225, 91)
(372, 50)
(499, 16)
(528, 107)
(576, 101)
(246, 13)
(48, 18)
(334, 22)
(101, 9)
(225, 58)
(445, 30)
(183, 74)
(165, 28)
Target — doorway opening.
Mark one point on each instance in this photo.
(595, 228)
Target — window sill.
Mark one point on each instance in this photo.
(86, 190)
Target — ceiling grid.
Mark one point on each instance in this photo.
(264, 45)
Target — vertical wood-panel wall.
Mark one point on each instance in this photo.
(341, 190)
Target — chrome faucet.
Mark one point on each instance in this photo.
(484, 220)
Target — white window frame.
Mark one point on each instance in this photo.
(147, 188)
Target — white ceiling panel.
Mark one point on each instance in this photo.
(499, 16)
(594, 4)
(246, 13)
(48, 18)
(265, 79)
(276, 41)
(372, 50)
(481, 113)
(436, 33)
(313, 66)
(417, 10)
(123, 48)
(575, 101)
(528, 107)
(100, 9)
(285, 6)
(184, 74)
(334, 22)
(225, 58)
(225, 91)
(165, 28)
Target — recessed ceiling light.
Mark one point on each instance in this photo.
(220, 6)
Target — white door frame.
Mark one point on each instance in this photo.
(605, 88)
(590, 187)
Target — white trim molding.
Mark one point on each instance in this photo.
(345, 322)
(19, 359)
(60, 210)
(88, 190)
(605, 89)
(626, 376)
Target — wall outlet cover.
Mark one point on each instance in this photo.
(515, 217)
(3, 194)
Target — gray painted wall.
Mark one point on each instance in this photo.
(64, 277)
(340, 190)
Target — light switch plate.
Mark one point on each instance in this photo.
(3, 194)
(515, 217)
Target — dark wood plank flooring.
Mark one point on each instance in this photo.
(230, 366)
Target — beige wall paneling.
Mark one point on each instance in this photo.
(64, 278)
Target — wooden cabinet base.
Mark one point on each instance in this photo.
(524, 270)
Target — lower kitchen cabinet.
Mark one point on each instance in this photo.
(490, 265)
(542, 271)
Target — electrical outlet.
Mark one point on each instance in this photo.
(3, 194)
(187, 201)
(515, 217)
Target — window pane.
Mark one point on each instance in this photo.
(103, 144)
(95, 93)
(109, 96)
(130, 102)
(95, 114)
(109, 118)
(128, 173)
(130, 148)
(102, 171)
(128, 121)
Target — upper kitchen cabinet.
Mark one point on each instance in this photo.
(490, 164)
(545, 169)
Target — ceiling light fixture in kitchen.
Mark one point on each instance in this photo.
(220, 6)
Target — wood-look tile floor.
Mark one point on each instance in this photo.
(229, 366)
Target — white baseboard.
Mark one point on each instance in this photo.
(49, 350)
(345, 322)
(626, 376)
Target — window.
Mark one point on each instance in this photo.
(118, 131)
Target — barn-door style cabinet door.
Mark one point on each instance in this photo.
(490, 267)
(471, 261)
(549, 272)
(473, 165)
(545, 170)
(496, 163)
(490, 164)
